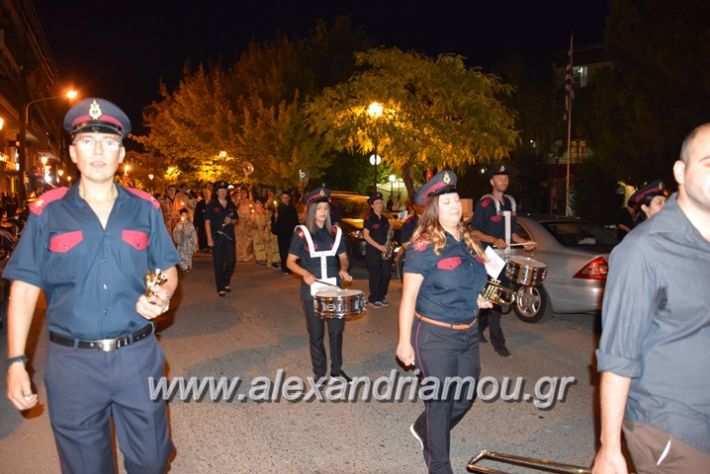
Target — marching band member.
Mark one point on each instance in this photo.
(649, 199)
(320, 247)
(220, 218)
(438, 331)
(489, 228)
(375, 234)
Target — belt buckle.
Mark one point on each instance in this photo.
(107, 345)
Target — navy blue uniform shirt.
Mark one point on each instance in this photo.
(91, 276)
(378, 227)
(489, 222)
(452, 280)
(215, 213)
(321, 241)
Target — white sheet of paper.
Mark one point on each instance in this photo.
(495, 264)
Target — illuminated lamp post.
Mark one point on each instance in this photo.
(374, 110)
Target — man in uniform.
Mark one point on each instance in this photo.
(489, 228)
(653, 355)
(90, 247)
(220, 218)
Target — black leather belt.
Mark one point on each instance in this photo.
(104, 345)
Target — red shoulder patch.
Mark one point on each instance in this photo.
(421, 244)
(496, 218)
(334, 229)
(41, 202)
(300, 234)
(145, 196)
(486, 202)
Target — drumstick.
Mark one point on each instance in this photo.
(326, 283)
(520, 244)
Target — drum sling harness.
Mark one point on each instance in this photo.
(323, 255)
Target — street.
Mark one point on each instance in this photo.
(259, 328)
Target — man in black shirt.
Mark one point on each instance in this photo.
(285, 220)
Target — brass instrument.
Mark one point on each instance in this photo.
(539, 464)
(390, 245)
(496, 293)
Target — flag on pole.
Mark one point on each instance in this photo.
(569, 82)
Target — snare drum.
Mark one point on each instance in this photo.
(339, 303)
(525, 271)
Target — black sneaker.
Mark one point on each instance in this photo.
(342, 375)
(503, 351)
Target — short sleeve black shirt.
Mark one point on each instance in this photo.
(321, 241)
(215, 213)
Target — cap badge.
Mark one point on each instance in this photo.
(95, 110)
(502, 168)
(321, 193)
(447, 179)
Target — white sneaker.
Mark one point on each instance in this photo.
(416, 436)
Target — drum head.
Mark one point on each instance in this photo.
(333, 292)
(527, 261)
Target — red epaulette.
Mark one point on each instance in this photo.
(334, 229)
(300, 234)
(486, 202)
(41, 202)
(421, 243)
(144, 195)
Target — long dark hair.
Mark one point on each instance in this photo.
(311, 219)
(430, 229)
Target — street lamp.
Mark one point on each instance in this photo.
(150, 177)
(24, 122)
(374, 110)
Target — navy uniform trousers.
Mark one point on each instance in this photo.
(87, 388)
(223, 259)
(379, 274)
(442, 352)
(316, 332)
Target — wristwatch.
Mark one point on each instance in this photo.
(18, 358)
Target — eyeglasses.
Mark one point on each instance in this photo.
(88, 143)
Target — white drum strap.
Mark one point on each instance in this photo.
(497, 202)
(322, 254)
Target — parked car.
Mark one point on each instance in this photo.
(576, 253)
(352, 209)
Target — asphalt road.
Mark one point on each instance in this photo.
(259, 328)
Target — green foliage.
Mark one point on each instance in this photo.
(253, 111)
(655, 94)
(436, 112)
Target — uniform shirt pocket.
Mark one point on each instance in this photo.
(449, 263)
(135, 238)
(64, 242)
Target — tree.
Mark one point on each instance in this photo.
(435, 112)
(654, 94)
(218, 119)
(192, 124)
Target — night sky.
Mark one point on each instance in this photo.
(121, 50)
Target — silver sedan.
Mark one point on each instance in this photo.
(576, 253)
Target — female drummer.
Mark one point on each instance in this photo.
(320, 247)
(438, 331)
(650, 199)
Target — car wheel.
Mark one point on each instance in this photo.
(530, 303)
